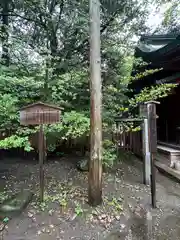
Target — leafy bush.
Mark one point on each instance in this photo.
(109, 157)
(74, 126)
(109, 154)
(15, 141)
(152, 93)
(72, 91)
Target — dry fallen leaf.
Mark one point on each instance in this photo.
(30, 215)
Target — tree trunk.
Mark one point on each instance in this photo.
(95, 165)
(5, 34)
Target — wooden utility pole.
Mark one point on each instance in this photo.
(95, 165)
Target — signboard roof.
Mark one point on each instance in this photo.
(41, 104)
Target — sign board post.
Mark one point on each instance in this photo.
(41, 162)
(39, 114)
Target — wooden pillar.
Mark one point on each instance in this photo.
(151, 112)
(95, 165)
(131, 141)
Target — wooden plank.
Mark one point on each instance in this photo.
(130, 141)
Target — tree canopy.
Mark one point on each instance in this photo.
(45, 56)
(170, 22)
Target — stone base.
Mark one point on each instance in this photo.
(15, 204)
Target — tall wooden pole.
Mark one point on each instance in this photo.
(151, 110)
(95, 165)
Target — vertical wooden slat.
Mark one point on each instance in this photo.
(129, 149)
(127, 141)
(130, 140)
(139, 144)
(136, 143)
(124, 140)
(124, 147)
(132, 147)
(120, 140)
(134, 135)
(139, 147)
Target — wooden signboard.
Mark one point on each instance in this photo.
(39, 114)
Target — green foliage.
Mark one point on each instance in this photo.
(152, 93)
(17, 91)
(3, 196)
(49, 57)
(8, 111)
(78, 209)
(74, 125)
(171, 20)
(109, 153)
(6, 220)
(15, 141)
(71, 90)
(116, 204)
(144, 74)
(109, 157)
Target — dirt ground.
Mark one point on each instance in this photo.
(66, 215)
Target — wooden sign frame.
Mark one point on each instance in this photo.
(40, 113)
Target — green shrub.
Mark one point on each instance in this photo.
(109, 156)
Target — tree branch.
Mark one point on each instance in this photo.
(26, 18)
(52, 6)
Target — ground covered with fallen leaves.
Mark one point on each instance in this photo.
(65, 213)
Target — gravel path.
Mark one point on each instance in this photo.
(66, 214)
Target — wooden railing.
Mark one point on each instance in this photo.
(129, 141)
